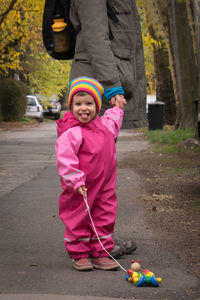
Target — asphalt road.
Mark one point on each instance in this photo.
(33, 261)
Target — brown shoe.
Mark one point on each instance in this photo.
(83, 264)
(104, 263)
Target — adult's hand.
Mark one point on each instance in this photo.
(119, 98)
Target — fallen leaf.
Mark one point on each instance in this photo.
(31, 265)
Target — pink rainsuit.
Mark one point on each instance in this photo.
(86, 155)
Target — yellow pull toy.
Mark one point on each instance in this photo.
(141, 278)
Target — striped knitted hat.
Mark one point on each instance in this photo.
(89, 85)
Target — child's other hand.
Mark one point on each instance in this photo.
(112, 101)
(82, 190)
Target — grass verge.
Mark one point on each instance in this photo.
(23, 123)
(166, 140)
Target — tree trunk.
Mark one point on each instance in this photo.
(184, 62)
(196, 10)
(164, 85)
(163, 13)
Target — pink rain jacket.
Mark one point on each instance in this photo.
(86, 155)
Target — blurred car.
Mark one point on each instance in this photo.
(33, 108)
(150, 99)
(53, 109)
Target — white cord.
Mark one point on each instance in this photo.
(88, 209)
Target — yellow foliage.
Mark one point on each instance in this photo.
(16, 27)
(148, 43)
(151, 19)
(22, 50)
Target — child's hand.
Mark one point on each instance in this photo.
(82, 190)
(112, 101)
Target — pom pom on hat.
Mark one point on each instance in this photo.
(89, 85)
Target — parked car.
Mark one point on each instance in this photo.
(53, 109)
(34, 109)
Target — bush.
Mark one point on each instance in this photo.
(12, 99)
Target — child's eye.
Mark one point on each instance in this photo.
(89, 103)
(77, 103)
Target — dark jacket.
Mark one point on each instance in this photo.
(113, 62)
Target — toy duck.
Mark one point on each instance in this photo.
(143, 278)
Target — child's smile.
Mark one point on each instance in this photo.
(84, 108)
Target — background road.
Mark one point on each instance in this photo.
(33, 261)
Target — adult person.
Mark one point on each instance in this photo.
(109, 48)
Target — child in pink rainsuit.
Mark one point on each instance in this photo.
(86, 162)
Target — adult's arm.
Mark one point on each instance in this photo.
(92, 15)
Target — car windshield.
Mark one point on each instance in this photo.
(54, 101)
(31, 101)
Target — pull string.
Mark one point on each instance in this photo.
(88, 209)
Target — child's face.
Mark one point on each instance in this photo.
(84, 108)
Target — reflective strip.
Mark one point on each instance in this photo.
(102, 237)
(66, 239)
(66, 176)
(116, 117)
(82, 239)
(88, 239)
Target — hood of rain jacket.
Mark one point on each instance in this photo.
(66, 122)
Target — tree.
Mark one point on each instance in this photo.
(193, 11)
(22, 53)
(148, 49)
(185, 67)
(181, 36)
(10, 36)
(164, 85)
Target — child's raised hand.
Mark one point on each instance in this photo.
(82, 190)
(120, 101)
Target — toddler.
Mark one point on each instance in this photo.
(86, 162)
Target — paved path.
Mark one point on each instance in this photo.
(33, 262)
